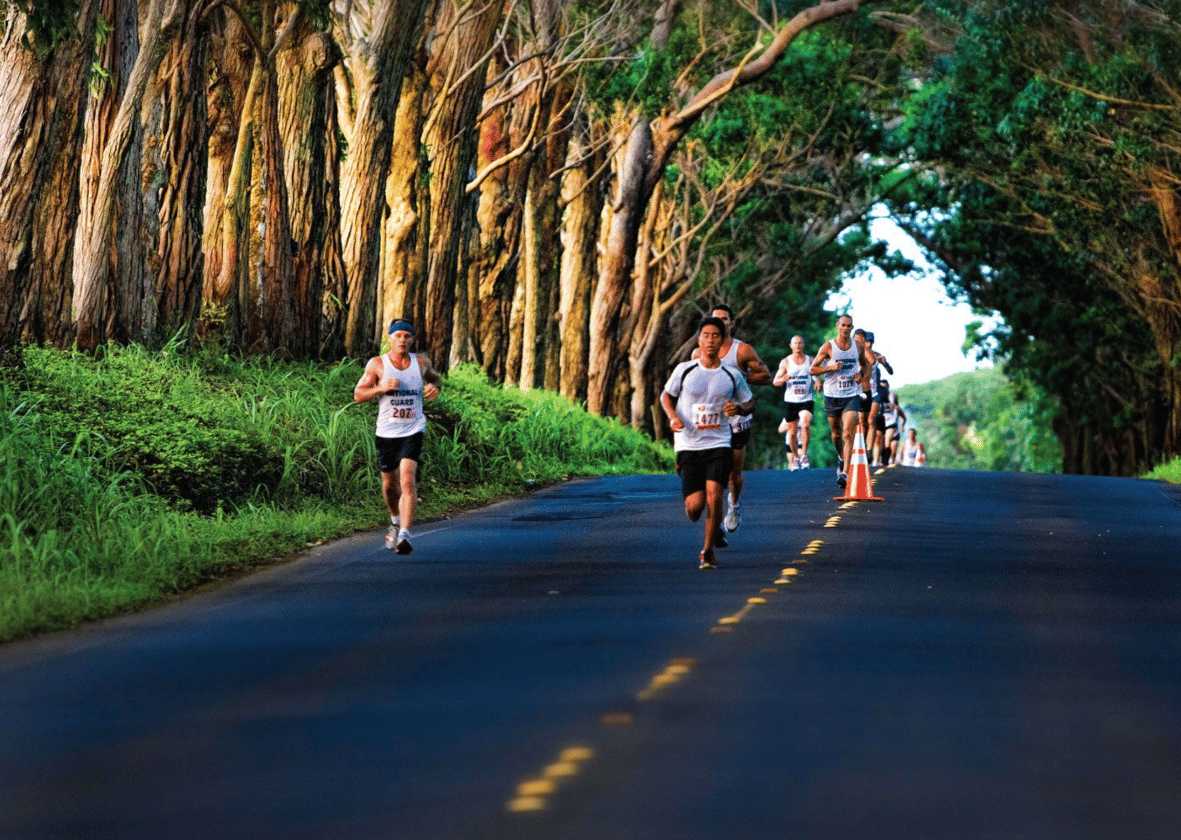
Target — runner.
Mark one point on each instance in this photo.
(842, 362)
(875, 425)
(914, 454)
(743, 357)
(698, 397)
(891, 413)
(401, 381)
(798, 405)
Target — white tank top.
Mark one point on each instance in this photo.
(399, 413)
(799, 381)
(910, 452)
(740, 422)
(840, 384)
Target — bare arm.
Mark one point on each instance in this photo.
(781, 374)
(371, 384)
(431, 381)
(818, 363)
(752, 366)
(670, 411)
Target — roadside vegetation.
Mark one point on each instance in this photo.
(980, 420)
(132, 476)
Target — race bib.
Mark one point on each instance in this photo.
(707, 416)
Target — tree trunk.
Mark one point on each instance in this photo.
(406, 234)
(307, 117)
(179, 167)
(450, 141)
(132, 316)
(92, 267)
(576, 278)
(236, 76)
(378, 38)
(42, 102)
(631, 198)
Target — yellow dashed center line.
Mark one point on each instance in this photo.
(534, 794)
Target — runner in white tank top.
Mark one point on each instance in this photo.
(401, 382)
(795, 376)
(842, 363)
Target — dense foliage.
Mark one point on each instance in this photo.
(1060, 141)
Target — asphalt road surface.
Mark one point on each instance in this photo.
(977, 656)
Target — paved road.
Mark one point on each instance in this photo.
(978, 656)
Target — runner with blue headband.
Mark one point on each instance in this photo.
(401, 382)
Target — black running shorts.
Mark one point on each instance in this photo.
(835, 406)
(696, 468)
(391, 451)
(791, 411)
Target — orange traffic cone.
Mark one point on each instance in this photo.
(859, 486)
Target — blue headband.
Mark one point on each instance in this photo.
(401, 325)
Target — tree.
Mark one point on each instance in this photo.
(45, 56)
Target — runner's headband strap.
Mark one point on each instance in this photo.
(401, 326)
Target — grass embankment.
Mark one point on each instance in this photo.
(131, 477)
(1170, 472)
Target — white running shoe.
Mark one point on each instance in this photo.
(793, 466)
(733, 517)
(403, 545)
(805, 463)
(391, 537)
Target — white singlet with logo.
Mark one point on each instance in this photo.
(799, 381)
(740, 422)
(399, 413)
(910, 453)
(890, 409)
(841, 384)
(700, 395)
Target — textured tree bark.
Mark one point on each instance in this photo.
(458, 81)
(179, 166)
(132, 316)
(577, 272)
(378, 38)
(92, 266)
(42, 102)
(236, 77)
(307, 123)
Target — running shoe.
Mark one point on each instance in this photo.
(706, 560)
(403, 546)
(842, 480)
(720, 538)
(805, 463)
(793, 466)
(391, 537)
(733, 517)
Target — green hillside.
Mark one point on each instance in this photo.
(981, 421)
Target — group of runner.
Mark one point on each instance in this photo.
(708, 403)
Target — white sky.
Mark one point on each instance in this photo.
(916, 326)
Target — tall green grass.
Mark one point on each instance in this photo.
(1170, 472)
(132, 476)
